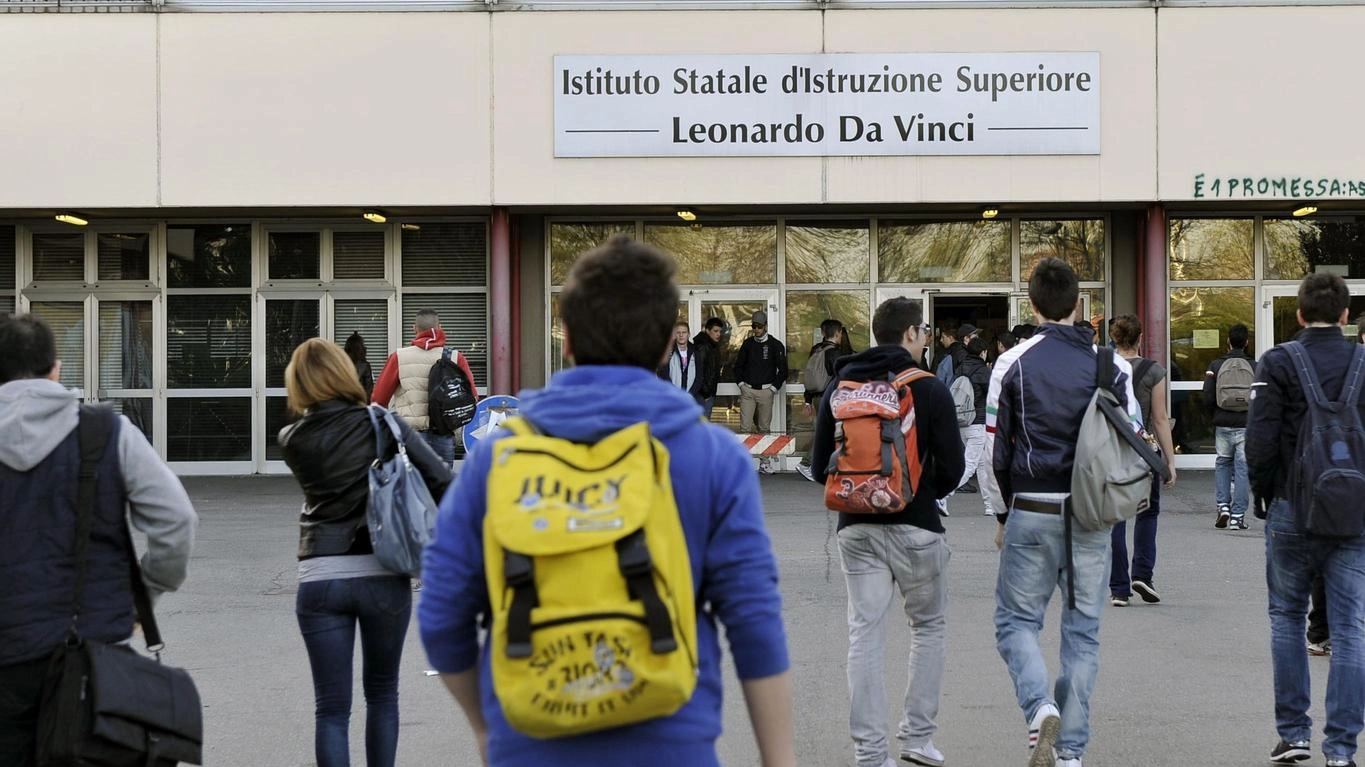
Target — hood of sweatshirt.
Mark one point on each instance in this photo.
(585, 404)
(430, 339)
(36, 415)
(874, 363)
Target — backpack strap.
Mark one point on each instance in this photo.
(1308, 377)
(1350, 392)
(637, 567)
(1140, 371)
(93, 428)
(520, 575)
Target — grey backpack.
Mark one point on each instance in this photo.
(964, 399)
(1111, 476)
(1232, 387)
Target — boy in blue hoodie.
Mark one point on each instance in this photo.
(618, 308)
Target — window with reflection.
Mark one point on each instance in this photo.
(67, 321)
(1212, 249)
(568, 241)
(1284, 313)
(730, 254)
(828, 251)
(208, 340)
(807, 309)
(123, 256)
(1296, 247)
(288, 323)
(1200, 318)
(557, 361)
(8, 265)
(208, 429)
(59, 256)
(952, 251)
(208, 255)
(1080, 243)
(294, 255)
(125, 345)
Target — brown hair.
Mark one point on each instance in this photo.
(620, 305)
(319, 371)
(1126, 330)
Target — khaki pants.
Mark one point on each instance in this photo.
(755, 409)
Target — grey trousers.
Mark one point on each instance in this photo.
(755, 409)
(877, 560)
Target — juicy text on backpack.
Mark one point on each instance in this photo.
(1327, 478)
(816, 376)
(1232, 387)
(1111, 475)
(875, 468)
(964, 399)
(450, 396)
(593, 615)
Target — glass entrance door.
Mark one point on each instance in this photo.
(736, 308)
(125, 354)
(1279, 312)
(288, 319)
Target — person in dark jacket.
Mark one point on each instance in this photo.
(1229, 431)
(905, 550)
(761, 370)
(341, 583)
(39, 480)
(1276, 417)
(682, 365)
(355, 349)
(707, 343)
(976, 464)
(954, 349)
(832, 338)
(1039, 394)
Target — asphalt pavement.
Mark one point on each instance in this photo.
(1183, 682)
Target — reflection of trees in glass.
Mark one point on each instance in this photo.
(557, 361)
(1096, 316)
(1294, 246)
(827, 252)
(731, 254)
(1207, 309)
(738, 316)
(954, 251)
(209, 256)
(1079, 243)
(569, 241)
(294, 255)
(208, 340)
(208, 429)
(287, 324)
(1212, 249)
(805, 312)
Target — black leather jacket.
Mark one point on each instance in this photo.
(330, 451)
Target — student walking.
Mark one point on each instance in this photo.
(905, 551)
(1033, 419)
(341, 583)
(1149, 386)
(492, 618)
(1227, 390)
(1305, 452)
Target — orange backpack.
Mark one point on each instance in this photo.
(876, 466)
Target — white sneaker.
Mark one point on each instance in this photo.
(1043, 729)
(805, 471)
(925, 755)
(1069, 762)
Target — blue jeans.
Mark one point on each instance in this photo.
(1230, 443)
(1144, 547)
(443, 445)
(1032, 566)
(328, 612)
(1291, 561)
(707, 405)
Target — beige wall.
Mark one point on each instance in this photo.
(1260, 93)
(1125, 39)
(78, 107)
(325, 109)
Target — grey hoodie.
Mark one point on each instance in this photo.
(37, 414)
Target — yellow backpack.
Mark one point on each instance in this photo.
(594, 620)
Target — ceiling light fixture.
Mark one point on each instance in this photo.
(374, 217)
(1306, 210)
(686, 214)
(71, 218)
(990, 213)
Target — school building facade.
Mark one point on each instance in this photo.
(191, 188)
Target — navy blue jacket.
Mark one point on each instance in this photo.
(1278, 406)
(1040, 391)
(38, 554)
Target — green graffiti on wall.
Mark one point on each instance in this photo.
(1292, 187)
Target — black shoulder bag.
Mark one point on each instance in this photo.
(104, 705)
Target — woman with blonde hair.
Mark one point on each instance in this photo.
(1149, 385)
(341, 583)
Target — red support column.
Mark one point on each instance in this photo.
(1152, 266)
(500, 300)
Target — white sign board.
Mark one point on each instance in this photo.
(834, 104)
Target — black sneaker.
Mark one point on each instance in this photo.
(1224, 514)
(1291, 753)
(1144, 589)
(1238, 522)
(969, 487)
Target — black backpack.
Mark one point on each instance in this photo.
(450, 396)
(1327, 478)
